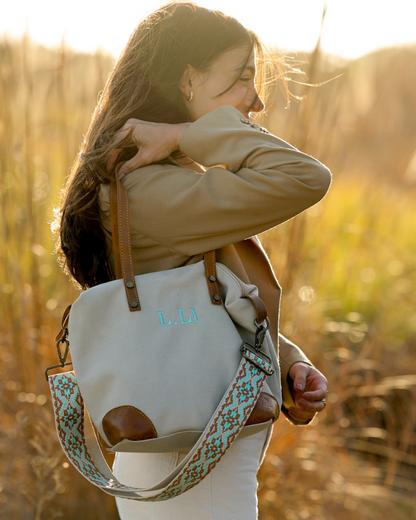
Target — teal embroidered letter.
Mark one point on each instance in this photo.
(161, 320)
(182, 319)
(194, 313)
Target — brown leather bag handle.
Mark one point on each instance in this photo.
(120, 229)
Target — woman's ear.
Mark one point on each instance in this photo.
(188, 76)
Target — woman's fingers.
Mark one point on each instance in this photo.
(299, 373)
(134, 163)
(309, 390)
(111, 161)
(300, 415)
(311, 406)
(316, 395)
(154, 141)
(306, 410)
(126, 129)
(142, 158)
(124, 132)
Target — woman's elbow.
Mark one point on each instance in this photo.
(322, 182)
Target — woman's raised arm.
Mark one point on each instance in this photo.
(154, 141)
(263, 182)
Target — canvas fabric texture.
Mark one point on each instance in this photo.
(178, 353)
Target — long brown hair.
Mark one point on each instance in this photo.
(144, 84)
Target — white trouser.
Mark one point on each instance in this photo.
(229, 492)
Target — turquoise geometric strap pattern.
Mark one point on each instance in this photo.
(69, 420)
(261, 362)
(222, 430)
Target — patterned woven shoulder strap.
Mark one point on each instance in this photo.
(80, 444)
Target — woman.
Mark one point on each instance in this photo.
(200, 176)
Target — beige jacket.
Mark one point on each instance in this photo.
(253, 182)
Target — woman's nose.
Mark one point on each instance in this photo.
(258, 105)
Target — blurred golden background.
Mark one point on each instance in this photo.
(347, 267)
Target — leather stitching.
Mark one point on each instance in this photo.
(124, 244)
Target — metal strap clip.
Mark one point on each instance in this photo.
(261, 332)
(62, 355)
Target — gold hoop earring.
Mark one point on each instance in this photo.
(191, 96)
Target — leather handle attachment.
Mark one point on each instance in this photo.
(259, 305)
(120, 228)
(64, 323)
(211, 276)
(123, 257)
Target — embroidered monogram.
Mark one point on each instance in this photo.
(181, 316)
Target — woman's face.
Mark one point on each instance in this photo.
(212, 89)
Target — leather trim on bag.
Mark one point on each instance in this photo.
(64, 323)
(127, 422)
(211, 277)
(266, 408)
(120, 228)
(114, 229)
(258, 305)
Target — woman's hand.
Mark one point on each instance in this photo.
(308, 391)
(155, 141)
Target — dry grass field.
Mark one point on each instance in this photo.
(347, 267)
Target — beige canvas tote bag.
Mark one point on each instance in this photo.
(188, 366)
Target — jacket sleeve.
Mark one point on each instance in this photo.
(265, 181)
